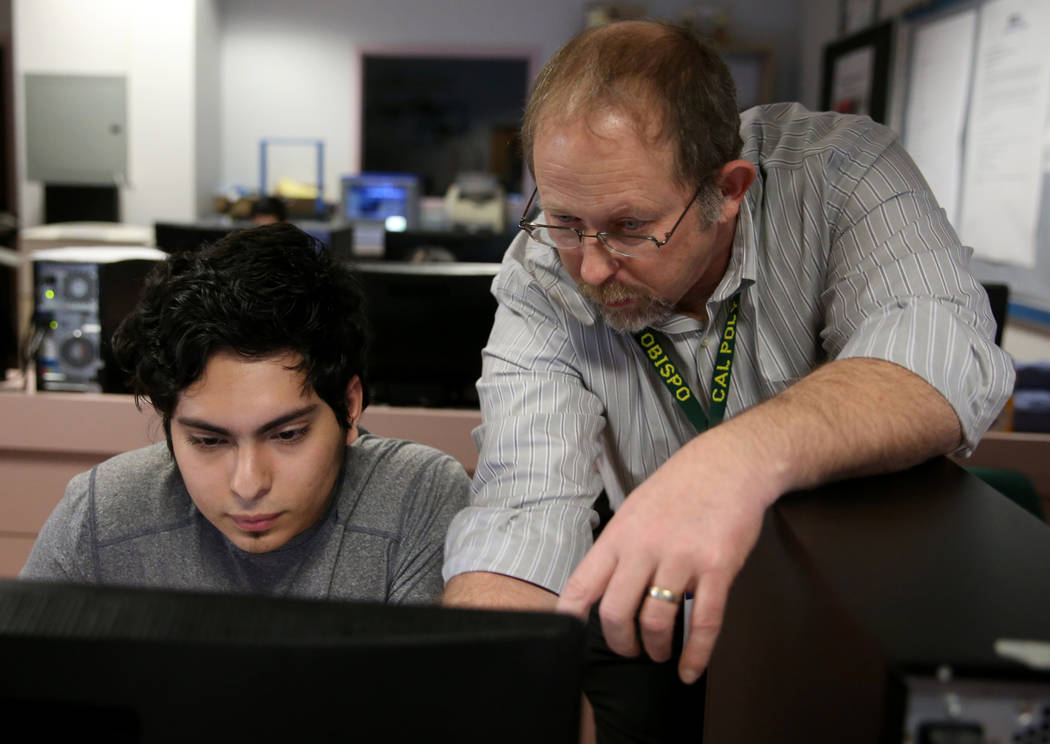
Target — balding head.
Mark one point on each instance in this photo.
(671, 84)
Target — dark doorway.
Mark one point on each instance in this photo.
(439, 116)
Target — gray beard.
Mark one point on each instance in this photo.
(652, 310)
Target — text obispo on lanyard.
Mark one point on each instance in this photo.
(659, 352)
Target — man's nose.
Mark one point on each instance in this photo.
(597, 263)
(251, 474)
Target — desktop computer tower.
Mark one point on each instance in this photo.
(80, 296)
(911, 608)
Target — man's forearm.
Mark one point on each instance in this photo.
(496, 591)
(848, 418)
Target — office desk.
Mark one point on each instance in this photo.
(856, 587)
(47, 438)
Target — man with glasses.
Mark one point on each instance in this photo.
(787, 271)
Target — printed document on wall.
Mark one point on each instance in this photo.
(1002, 167)
(938, 89)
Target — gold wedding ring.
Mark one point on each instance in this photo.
(664, 595)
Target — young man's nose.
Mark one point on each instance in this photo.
(251, 474)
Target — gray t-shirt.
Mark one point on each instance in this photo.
(130, 521)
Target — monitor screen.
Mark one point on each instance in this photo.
(390, 198)
(173, 237)
(339, 239)
(429, 324)
(150, 665)
(10, 261)
(414, 245)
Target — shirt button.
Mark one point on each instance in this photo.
(704, 343)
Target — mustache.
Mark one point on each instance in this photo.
(609, 292)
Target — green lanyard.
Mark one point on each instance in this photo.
(658, 349)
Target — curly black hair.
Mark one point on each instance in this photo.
(258, 292)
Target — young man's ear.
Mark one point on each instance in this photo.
(353, 408)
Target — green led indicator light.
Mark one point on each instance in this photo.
(54, 325)
(50, 294)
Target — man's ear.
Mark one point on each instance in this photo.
(354, 398)
(735, 179)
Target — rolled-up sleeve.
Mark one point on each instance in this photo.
(531, 513)
(898, 289)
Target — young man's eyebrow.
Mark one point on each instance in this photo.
(268, 426)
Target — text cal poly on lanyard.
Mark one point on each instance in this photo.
(659, 352)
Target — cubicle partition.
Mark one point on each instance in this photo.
(47, 438)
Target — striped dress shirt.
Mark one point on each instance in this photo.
(840, 251)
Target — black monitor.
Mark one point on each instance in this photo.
(81, 202)
(175, 237)
(429, 324)
(148, 665)
(339, 239)
(10, 261)
(478, 247)
(999, 299)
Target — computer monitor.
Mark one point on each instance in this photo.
(478, 247)
(10, 262)
(389, 198)
(174, 237)
(429, 324)
(149, 665)
(339, 239)
(999, 300)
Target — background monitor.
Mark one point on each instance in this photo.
(148, 665)
(174, 237)
(479, 247)
(339, 239)
(999, 299)
(81, 203)
(389, 198)
(429, 324)
(10, 261)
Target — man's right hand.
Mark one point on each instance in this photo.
(497, 592)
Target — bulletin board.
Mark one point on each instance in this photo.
(976, 117)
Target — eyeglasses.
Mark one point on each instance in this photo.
(569, 238)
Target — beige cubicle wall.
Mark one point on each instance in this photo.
(47, 438)
(1026, 452)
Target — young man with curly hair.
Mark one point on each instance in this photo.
(252, 351)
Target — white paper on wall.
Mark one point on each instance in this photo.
(938, 93)
(1002, 178)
